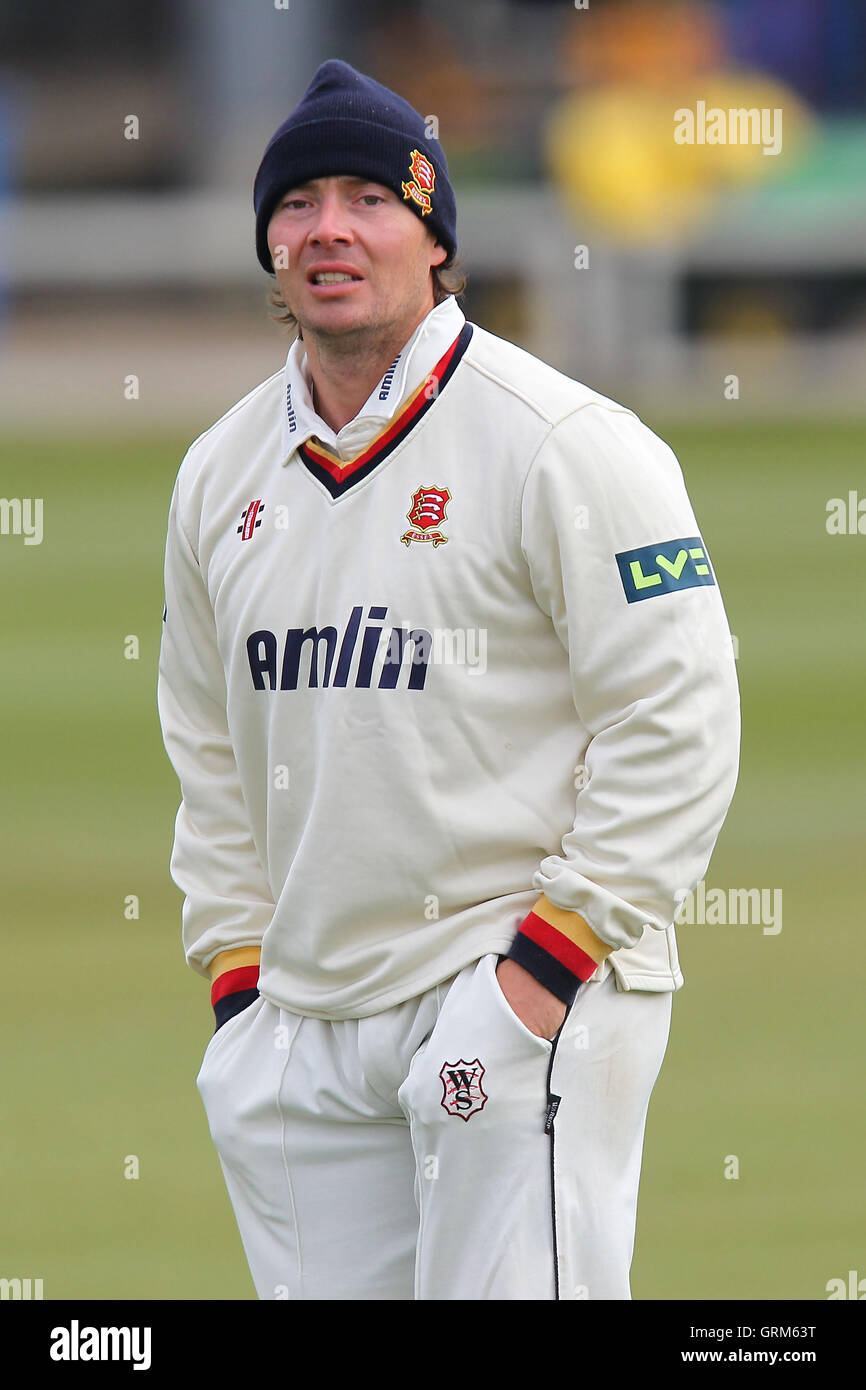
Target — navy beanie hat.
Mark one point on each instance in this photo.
(348, 124)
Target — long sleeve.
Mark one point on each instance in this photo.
(228, 901)
(617, 562)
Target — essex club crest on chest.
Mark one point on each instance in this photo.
(427, 515)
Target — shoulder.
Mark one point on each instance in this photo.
(574, 430)
(527, 382)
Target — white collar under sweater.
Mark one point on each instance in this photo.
(300, 422)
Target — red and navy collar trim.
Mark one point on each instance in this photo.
(338, 476)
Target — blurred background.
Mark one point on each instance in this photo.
(718, 290)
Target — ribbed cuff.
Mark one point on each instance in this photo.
(551, 957)
(234, 991)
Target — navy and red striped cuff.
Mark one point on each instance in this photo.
(552, 957)
(234, 991)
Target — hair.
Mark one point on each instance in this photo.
(448, 278)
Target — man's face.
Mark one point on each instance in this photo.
(342, 225)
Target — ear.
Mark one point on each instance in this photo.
(440, 254)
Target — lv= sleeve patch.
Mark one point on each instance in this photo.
(661, 569)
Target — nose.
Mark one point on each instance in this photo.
(331, 223)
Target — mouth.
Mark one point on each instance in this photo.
(332, 282)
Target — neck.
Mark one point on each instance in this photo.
(345, 368)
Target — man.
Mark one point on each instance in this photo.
(448, 685)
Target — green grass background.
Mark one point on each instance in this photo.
(103, 1025)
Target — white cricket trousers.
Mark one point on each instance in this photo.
(421, 1153)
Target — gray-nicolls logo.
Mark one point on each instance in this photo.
(251, 518)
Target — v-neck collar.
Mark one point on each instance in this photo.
(397, 403)
(338, 476)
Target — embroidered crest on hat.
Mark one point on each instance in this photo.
(423, 182)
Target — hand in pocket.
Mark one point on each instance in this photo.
(538, 1010)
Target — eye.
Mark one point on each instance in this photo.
(371, 198)
(293, 200)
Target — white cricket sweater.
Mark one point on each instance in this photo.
(466, 650)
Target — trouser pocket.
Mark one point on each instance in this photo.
(477, 1100)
